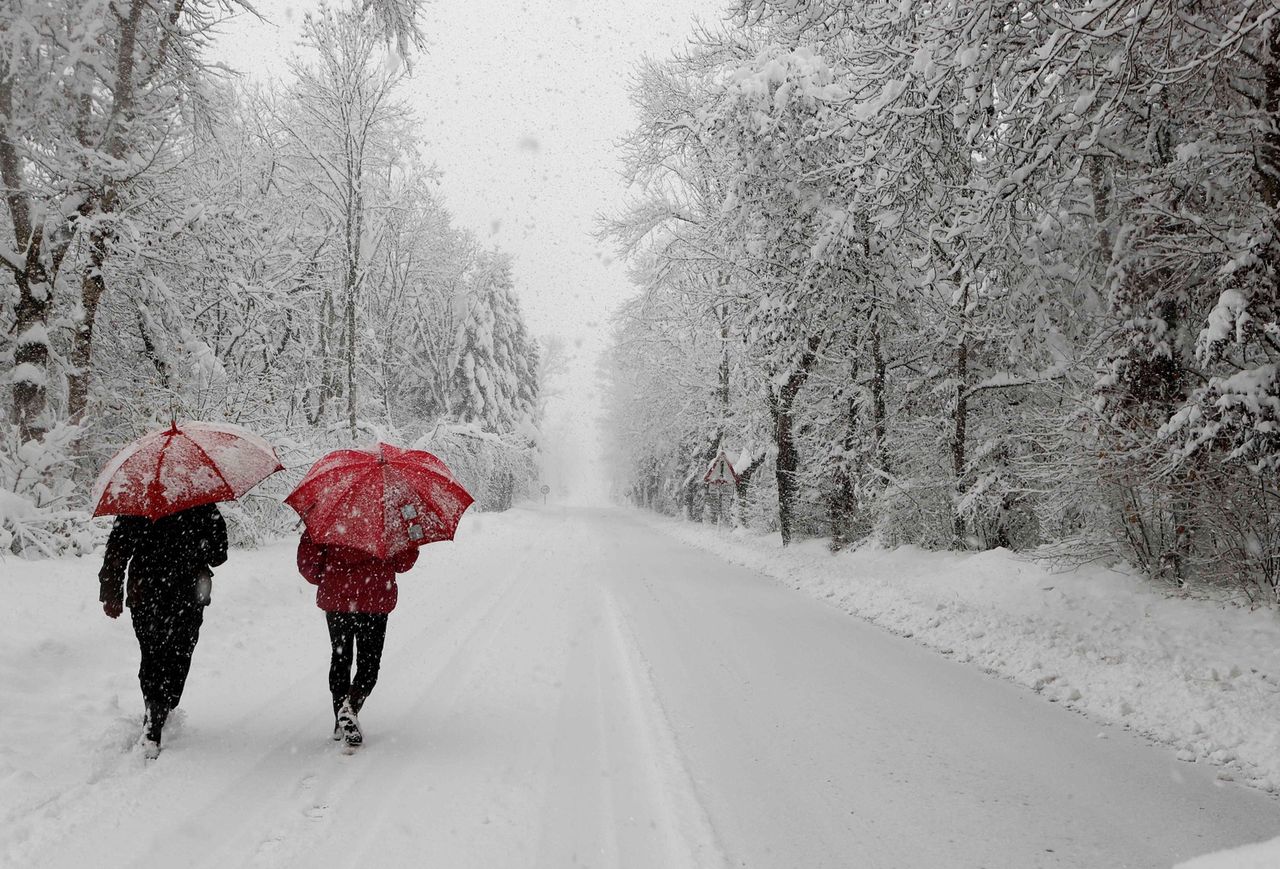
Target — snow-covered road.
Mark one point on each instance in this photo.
(567, 688)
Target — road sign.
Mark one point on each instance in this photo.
(720, 471)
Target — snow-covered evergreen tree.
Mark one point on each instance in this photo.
(494, 379)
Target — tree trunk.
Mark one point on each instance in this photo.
(788, 459)
(653, 485)
(31, 356)
(1267, 158)
(843, 502)
(325, 328)
(721, 396)
(785, 468)
(92, 282)
(741, 486)
(35, 287)
(960, 420)
(351, 364)
(149, 351)
(1100, 187)
(354, 226)
(92, 288)
(878, 379)
(723, 393)
(1267, 161)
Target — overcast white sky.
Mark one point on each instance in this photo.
(522, 104)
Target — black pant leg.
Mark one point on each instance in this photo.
(371, 633)
(342, 641)
(183, 636)
(167, 637)
(148, 628)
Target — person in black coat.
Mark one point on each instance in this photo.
(168, 563)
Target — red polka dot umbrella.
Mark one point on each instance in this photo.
(382, 500)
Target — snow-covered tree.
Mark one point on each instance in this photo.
(92, 94)
(495, 377)
(1003, 269)
(183, 246)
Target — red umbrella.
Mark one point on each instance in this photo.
(183, 466)
(383, 500)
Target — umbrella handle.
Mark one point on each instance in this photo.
(302, 517)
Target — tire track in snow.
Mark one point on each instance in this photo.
(407, 746)
(388, 778)
(622, 795)
(694, 841)
(490, 721)
(543, 729)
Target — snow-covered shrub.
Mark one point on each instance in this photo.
(497, 470)
(916, 513)
(1000, 513)
(757, 494)
(811, 513)
(1206, 527)
(42, 506)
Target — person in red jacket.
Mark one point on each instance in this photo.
(357, 591)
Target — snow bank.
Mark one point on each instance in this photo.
(1200, 677)
(1264, 855)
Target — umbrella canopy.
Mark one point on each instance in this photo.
(383, 500)
(183, 466)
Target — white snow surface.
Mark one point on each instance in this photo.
(1262, 855)
(574, 688)
(1201, 677)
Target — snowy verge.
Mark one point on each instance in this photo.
(1264, 855)
(1198, 676)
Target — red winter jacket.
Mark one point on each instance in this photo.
(349, 580)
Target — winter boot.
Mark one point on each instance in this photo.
(349, 724)
(152, 725)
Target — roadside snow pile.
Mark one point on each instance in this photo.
(1198, 676)
(1264, 855)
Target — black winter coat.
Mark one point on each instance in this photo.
(163, 557)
